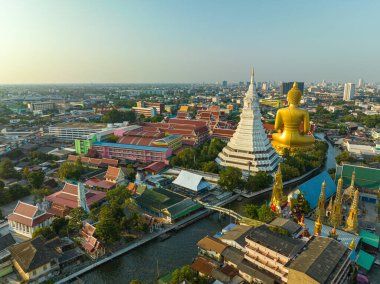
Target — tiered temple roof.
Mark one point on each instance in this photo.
(249, 149)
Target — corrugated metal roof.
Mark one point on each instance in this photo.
(312, 188)
(190, 181)
(365, 260)
(365, 177)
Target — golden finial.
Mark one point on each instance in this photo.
(352, 245)
(295, 85)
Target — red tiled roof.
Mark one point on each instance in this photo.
(112, 173)
(155, 167)
(25, 209)
(89, 229)
(132, 187)
(186, 121)
(72, 158)
(27, 221)
(203, 266)
(70, 189)
(111, 162)
(69, 198)
(95, 161)
(94, 182)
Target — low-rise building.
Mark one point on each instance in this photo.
(191, 184)
(324, 260)
(26, 218)
(73, 196)
(144, 154)
(36, 260)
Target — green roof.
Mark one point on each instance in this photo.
(140, 189)
(365, 177)
(157, 199)
(369, 238)
(165, 279)
(183, 208)
(365, 260)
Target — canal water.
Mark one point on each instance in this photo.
(146, 262)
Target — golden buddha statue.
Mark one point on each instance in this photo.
(287, 125)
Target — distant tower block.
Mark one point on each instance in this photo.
(249, 149)
(352, 220)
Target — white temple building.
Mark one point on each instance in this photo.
(249, 149)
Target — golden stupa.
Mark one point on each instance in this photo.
(288, 122)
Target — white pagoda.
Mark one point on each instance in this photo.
(249, 149)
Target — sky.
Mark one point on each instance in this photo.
(188, 41)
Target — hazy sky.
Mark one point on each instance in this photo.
(49, 41)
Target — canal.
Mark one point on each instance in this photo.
(146, 262)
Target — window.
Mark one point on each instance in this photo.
(34, 273)
(45, 267)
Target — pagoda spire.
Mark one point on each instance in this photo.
(336, 216)
(352, 245)
(353, 178)
(252, 75)
(321, 202)
(278, 199)
(249, 149)
(318, 227)
(82, 200)
(352, 219)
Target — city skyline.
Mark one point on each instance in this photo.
(187, 42)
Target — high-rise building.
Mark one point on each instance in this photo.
(224, 84)
(249, 148)
(286, 86)
(361, 83)
(349, 91)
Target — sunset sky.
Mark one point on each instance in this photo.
(183, 41)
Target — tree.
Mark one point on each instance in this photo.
(2, 184)
(265, 213)
(46, 232)
(344, 157)
(36, 179)
(59, 225)
(183, 273)
(70, 170)
(77, 216)
(118, 197)
(289, 172)
(210, 167)
(40, 193)
(259, 181)
(108, 228)
(16, 191)
(251, 211)
(134, 281)
(112, 139)
(116, 116)
(7, 170)
(230, 178)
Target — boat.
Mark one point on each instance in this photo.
(164, 237)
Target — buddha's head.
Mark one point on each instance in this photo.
(294, 95)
